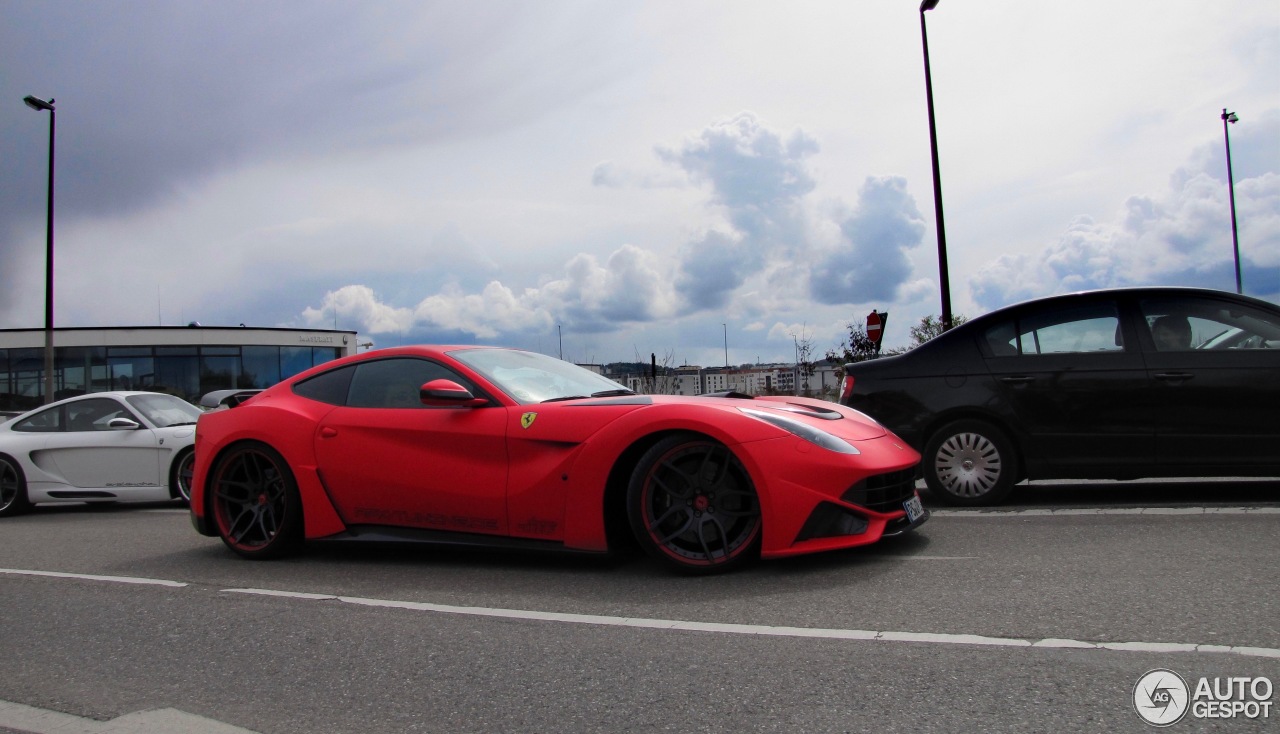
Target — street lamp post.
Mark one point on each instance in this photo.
(796, 371)
(726, 345)
(39, 105)
(1230, 117)
(944, 280)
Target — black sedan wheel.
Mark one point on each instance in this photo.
(693, 506)
(13, 490)
(970, 462)
(255, 502)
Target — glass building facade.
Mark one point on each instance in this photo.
(186, 370)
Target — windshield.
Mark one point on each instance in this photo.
(164, 410)
(529, 377)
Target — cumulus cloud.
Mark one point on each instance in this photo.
(359, 304)
(630, 287)
(758, 178)
(757, 260)
(870, 263)
(608, 174)
(1181, 236)
(754, 171)
(590, 297)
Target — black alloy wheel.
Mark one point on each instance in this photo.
(255, 503)
(13, 489)
(181, 473)
(970, 462)
(693, 506)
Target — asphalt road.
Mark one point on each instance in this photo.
(1038, 616)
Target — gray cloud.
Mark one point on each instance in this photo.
(154, 96)
(759, 178)
(712, 268)
(871, 262)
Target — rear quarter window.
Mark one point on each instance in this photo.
(327, 387)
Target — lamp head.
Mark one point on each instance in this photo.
(1230, 117)
(928, 5)
(37, 104)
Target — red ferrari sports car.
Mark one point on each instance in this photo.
(491, 446)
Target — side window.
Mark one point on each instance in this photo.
(394, 383)
(46, 421)
(94, 415)
(1195, 323)
(1092, 328)
(1002, 339)
(328, 387)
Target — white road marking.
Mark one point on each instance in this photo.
(770, 630)
(886, 557)
(91, 577)
(25, 718)
(715, 627)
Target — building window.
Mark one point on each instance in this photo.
(294, 360)
(261, 367)
(186, 371)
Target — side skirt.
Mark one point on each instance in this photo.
(388, 534)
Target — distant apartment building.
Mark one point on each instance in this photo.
(762, 379)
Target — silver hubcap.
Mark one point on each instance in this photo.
(968, 465)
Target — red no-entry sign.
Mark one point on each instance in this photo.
(875, 327)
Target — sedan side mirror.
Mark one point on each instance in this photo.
(123, 424)
(448, 394)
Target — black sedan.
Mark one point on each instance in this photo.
(1109, 384)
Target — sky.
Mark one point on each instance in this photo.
(706, 181)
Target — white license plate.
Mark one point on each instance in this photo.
(914, 509)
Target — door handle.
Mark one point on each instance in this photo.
(1174, 376)
(328, 432)
(1018, 380)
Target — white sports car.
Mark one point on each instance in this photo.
(100, 447)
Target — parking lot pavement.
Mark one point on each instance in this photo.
(16, 718)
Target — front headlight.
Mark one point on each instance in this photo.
(813, 435)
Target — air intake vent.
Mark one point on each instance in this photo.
(883, 492)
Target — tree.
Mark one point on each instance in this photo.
(929, 327)
(859, 347)
(856, 348)
(658, 377)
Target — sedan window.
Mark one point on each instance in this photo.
(1058, 331)
(1195, 323)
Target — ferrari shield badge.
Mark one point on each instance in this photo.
(527, 419)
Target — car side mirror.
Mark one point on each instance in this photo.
(123, 424)
(448, 394)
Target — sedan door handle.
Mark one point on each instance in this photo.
(1018, 380)
(1174, 376)
(328, 432)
